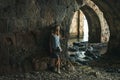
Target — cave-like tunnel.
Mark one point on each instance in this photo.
(25, 27)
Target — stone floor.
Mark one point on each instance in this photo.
(81, 72)
(100, 69)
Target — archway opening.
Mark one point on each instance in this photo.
(78, 28)
(87, 32)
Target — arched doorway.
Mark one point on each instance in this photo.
(97, 24)
(79, 27)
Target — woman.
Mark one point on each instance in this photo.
(55, 48)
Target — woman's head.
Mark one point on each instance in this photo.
(56, 29)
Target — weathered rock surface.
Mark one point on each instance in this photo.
(25, 29)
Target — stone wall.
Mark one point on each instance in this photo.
(111, 10)
(74, 25)
(105, 33)
(93, 23)
(25, 28)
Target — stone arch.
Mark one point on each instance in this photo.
(105, 33)
(93, 24)
(113, 22)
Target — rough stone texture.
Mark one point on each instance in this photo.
(105, 33)
(101, 23)
(74, 25)
(111, 12)
(93, 23)
(25, 28)
(82, 19)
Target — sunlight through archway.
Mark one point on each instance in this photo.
(85, 29)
